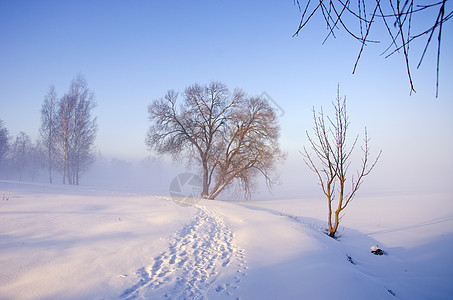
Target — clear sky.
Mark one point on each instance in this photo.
(132, 52)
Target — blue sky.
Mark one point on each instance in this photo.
(132, 52)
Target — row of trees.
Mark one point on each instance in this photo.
(19, 154)
(66, 139)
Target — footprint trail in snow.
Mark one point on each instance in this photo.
(191, 265)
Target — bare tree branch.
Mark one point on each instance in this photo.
(401, 14)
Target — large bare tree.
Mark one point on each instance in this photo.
(232, 137)
(331, 159)
(403, 22)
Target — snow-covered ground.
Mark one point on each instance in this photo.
(62, 242)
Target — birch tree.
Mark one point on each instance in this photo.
(331, 159)
(21, 150)
(37, 159)
(48, 127)
(76, 130)
(63, 133)
(230, 136)
(4, 142)
(84, 129)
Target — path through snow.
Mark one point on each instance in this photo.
(191, 265)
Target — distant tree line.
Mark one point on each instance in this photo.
(19, 155)
(66, 139)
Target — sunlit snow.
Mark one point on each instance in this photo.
(67, 242)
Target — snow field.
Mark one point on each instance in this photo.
(70, 244)
(59, 242)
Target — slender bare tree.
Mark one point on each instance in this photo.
(63, 134)
(21, 149)
(84, 130)
(37, 159)
(76, 130)
(403, 23)
(332, 158)
(230, 136)
(48, 127)
(4, 142)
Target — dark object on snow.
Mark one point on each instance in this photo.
(376, 250)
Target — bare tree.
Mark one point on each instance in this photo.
(37, 159)
(21, 149)
(48, 127)
(4, 142)
(332, 158)
(63, 134)
(397, 17)
(84, 131)
(231, 136)
(76, 130)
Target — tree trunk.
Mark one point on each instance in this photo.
(50, 166)
(205, 192)
(333, 230)
(64, 168)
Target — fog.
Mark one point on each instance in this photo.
(394, 174)
(150, 175)
(398, 172)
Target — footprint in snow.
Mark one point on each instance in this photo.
(195, 257)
